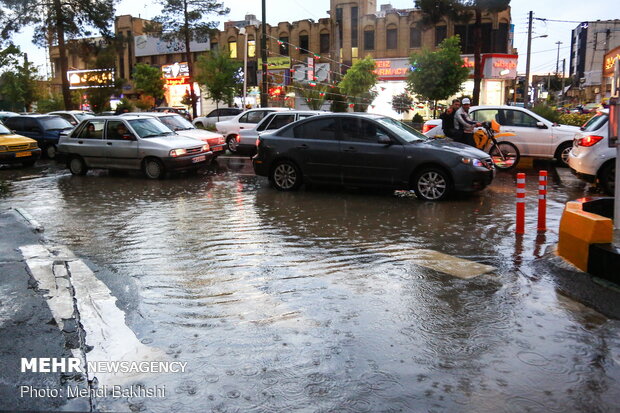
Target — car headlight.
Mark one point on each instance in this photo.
(33, 145)
(472, 161)
(177, 152)
(3, 148)
(205, 148)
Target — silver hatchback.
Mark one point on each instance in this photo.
(130, 143)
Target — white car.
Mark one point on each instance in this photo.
(73, 116)
(216, 115)
(270, 123)
(535, 136)
(246, 120)
(591, 157)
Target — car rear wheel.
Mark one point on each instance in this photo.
(504, 155)
(432, 184)
(607, 178)
(77, 166)
(50, 151)
(285, 176)
(562, 153)
(231, 143)
(154, 169)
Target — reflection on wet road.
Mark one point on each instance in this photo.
(318, 300)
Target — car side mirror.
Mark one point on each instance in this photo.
(541, 125)
(128, 137)
(384, 140)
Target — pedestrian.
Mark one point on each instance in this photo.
(465, 123)
(447, 121)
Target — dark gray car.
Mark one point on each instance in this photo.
(370, 150)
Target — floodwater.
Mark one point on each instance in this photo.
(319, 300)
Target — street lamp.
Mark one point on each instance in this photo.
(526, 88)
(244, 32)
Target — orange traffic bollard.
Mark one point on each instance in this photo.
(542, 201)
(520, 229)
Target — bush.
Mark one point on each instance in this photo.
(575, 119)
(417, 118)
(547, 112)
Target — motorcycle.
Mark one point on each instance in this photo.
(505, 155)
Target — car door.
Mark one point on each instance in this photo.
(316, 149)
(121, 146)
(32, 129)
(364, 160)
(89, 144)
(531, 139)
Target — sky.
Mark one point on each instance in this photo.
(544, 50)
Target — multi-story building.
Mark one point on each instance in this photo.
(590, 43)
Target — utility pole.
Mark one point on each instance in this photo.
(557, 62)
(563, 74)
(526, 87)
(264, 95)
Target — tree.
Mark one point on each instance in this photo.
(20, 87)
(183, 20)
(438, 75)
(401, 103)
(358, 82)
(147, 80)
(220, 76)
(315, 96)
(57, 21)
(101, 86)
(462, 10)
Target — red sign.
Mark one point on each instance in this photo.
(392, 69)
(175, 81)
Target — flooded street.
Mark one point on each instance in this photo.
(331, 299)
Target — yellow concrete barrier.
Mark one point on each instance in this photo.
(579, 229)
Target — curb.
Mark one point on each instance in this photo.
(36, 226)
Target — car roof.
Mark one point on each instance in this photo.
(151, 114)
(39, 116)
(115, 117)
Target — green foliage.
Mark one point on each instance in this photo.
(417, 118)
(218, 74)
(339, 103)
(546, 112)
(314, 96)
(575, 119)
(358, 82)
(20, 87)
(50, 104)
(401, 103)
(147, 80)
(439, 74)
(123, 104)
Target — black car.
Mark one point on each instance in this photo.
(45, 129)
(369, 150)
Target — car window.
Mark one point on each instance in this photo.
(405, 132)
(150, 128)
(595, 123)
(92, 130)
(305, 115)
(55, 123)
(518, 118)
(279, 121)
(68, 118)
(176, 122)
(15, 123)
(263, 125)
(488, 115)
(324, 129)
(244, 118)
(115, 130)
(360, 130)
(256, 116)
(4, 130)
(30, 125)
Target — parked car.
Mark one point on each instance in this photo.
(591, 157)
(369, 150)
(247, 138)
(534, 135)
(4, 115)
(181, 111)
(73, 116)
(216, 115)
(131, 143)
(45, 129)
(246, 120)
(183, 127)
(17, 149)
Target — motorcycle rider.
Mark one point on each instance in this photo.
(447, 121)
(463, 122)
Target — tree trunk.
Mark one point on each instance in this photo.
(477, 57)
(62, 51)
(190, 64)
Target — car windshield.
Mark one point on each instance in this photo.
(176, 122)
(55, 123)
(403, 131)
(594, 123)
(82, 116)
(149, 128)
(4, 130)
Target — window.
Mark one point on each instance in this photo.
(323, 129)
(254, 117)
(518, 118)
(303, 43)
(440, 34)
(324, 43)
(251, 48)
(15, 123)
(92, 130)
(232, 46)
(487, 115)
(279, 121)
(214, 47)
(391, 38)
(283, 46)
(266, 120)
(115, 130)
(360, 130)
(369, 40)
(354, 23)
(31, 125)
(415, 38)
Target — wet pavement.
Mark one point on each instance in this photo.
(324, 299)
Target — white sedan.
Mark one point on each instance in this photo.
(246, 120)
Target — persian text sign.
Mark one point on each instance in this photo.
(84, 79)
(609, 61)
(146, 45)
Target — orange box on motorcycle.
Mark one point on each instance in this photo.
(504, 154)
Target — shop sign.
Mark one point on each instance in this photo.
(392, 69)
(319, 72)
(278, 62)
(83, 79)
(277, 77)
(145, 45)
(175, 70)
(609, 61)
(499, 66)
(175, 81)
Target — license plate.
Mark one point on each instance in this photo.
(219, 148)
(200, 158)
(22, 154)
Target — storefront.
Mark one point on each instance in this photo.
(177, 85)
(608, 71)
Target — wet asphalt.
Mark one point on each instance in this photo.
(318, 300)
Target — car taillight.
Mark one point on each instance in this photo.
(257, 142)
(426, 128)
(589, 140)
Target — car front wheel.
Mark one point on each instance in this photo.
(432, 184)
(231, 143)
(50, 151)
(77, 166)
(154, 169)
(285, 176)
